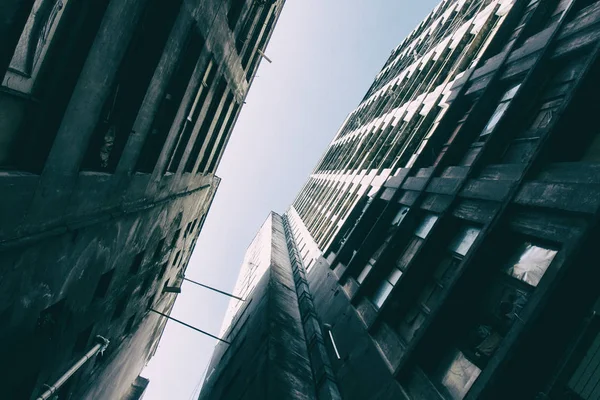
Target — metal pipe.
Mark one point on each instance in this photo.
(337, 353)
(213, 289)
(264, 55)
(190, 326)
(98, 348)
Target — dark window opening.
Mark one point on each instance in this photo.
(150, 302)
(176, 259)
(206, 124)
(103, 284)
(130, 85)
(47, 325)
(146, 284)
(53, 88)
(171, 102)
(257, 29)
(379, 245)
(120, 307)
(175, 237)
(193, 112)
(82, 340)
(435, 283)
(495, 309)
(262, 44)
(159, 249)
(391, 273)
(161, 272)
(234, 13)
(188, 229)
(137, 263)
(129, 325)
(217, 154)
(577, 133)
(245, 32)
(216, 132)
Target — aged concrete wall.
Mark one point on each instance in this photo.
(86, 251)
(361, 373)
(268, 356)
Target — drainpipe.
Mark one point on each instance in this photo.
(328, 328)
(98, 348)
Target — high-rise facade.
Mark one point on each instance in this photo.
(448, 232)
(114, 116)
(273, 346)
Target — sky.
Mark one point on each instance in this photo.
(325, 56)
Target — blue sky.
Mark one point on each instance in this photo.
(325, 55)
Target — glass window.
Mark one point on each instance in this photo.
(385, 288)
(395, 276)
(530, 263)
(459, 376)
(382, 293)
(426, 225)
(464, 240)
(500, 110)
(363, 274)
(400, 215)
(497, 311)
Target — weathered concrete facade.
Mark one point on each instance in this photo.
(450, 229)
(268, 355)
(113, 118)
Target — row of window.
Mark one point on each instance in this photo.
(408, 276)
(34, 101)
(553, 107)
(422, 79)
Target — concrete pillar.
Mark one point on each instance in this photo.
(81, 116)
(216, 155)
(211, 130)
(201, 117)
(94, 86)
(154, 95)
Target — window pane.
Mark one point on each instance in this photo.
(510, 93)
(426, 226)
(382, 293)
(464, 240)
(364, 273)
(495, 118)
(394, 276)
(531, 263)
(400, 215)
(460, 376)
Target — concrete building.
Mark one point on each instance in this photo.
(448, 232)
(113, 118)
(274, 340)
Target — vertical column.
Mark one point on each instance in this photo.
(94, 85)
(85, 106)
(156, 91)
